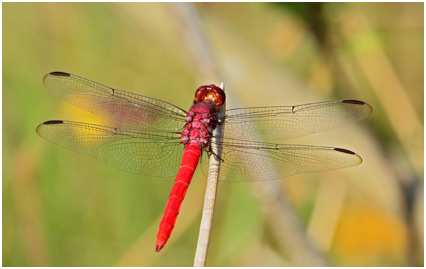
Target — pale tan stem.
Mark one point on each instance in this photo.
(210, 197)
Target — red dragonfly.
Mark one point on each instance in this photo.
(151, 136)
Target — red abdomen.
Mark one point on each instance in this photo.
(191, 156)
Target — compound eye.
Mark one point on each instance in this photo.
(219, 95)
(210, 93)
(200, 94)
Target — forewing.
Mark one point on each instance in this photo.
(138, 151)
(121, 107)
(255, 161)
(279, 122)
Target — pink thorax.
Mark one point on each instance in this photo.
(199, 124)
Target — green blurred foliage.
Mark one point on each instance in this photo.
(64, 209)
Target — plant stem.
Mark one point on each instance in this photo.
(210, 197)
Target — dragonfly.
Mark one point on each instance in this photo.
(156, 138)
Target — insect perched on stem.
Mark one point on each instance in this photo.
(156, 138)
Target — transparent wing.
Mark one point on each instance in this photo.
(255, 161)
(123, 108)
(138, 151)
(279, 122)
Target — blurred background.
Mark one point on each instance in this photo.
(65, 209)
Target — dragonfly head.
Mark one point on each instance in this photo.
(210, 93)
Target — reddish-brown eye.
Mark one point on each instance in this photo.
(210, 92)
(200, 94)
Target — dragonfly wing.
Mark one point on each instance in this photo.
(255, 161)
(279, 122)
(138, 151)
(123, 108)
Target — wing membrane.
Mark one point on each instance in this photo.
(138, 151)
(256, 161)
(280, 122)
(121, 107)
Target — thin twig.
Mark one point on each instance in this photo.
(210, 198)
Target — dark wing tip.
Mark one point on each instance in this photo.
(346, 151)
(50, 122)
(53, 122)
(58, 73)
(55, 74)
(355, 102)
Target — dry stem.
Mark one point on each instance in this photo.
(210, 198)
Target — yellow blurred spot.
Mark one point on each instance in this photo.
(73, 113)
(89, 137)
(285, 38)
(321, 77)
(368, 236)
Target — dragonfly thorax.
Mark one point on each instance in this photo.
(199, 125)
